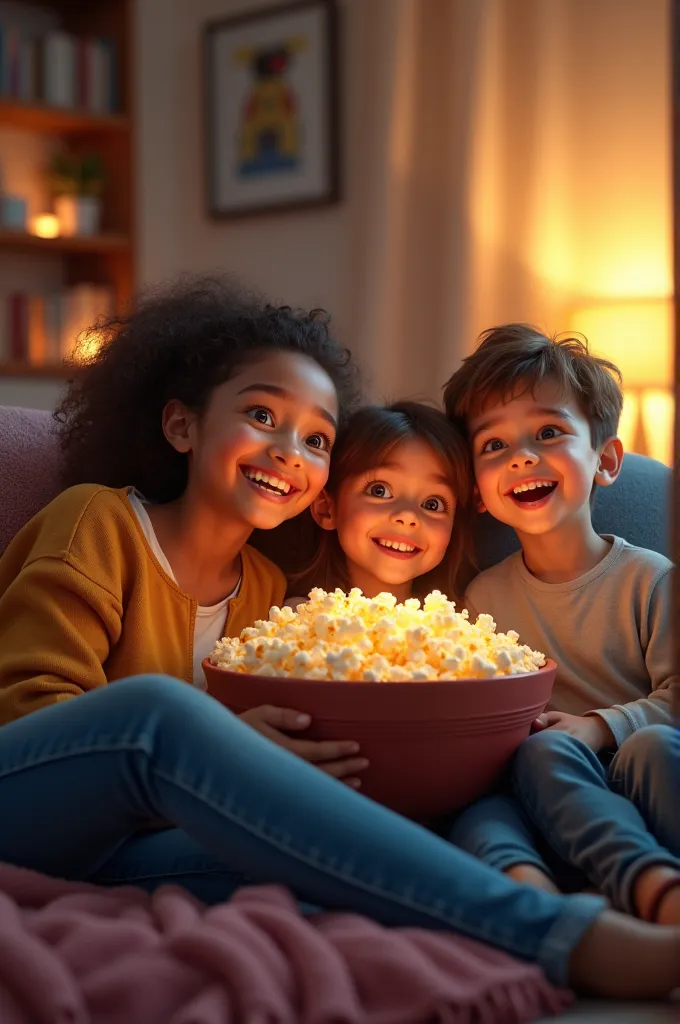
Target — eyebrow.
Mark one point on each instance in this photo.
(492, 421)
(274, 389)
(435, 478)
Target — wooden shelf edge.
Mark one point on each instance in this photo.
(61, 120)
(63, 244)
(53, 371)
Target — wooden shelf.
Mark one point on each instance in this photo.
(108, 259)
(56, 371)
(82, 243)
(36, 118)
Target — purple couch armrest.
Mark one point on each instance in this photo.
(29, 467)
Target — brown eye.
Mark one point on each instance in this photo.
(378, 490)
(319, 441)
(261, 415)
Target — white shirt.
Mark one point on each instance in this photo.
(210, 619)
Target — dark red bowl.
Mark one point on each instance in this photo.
(433, 747)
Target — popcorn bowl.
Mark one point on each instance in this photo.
(433, 746)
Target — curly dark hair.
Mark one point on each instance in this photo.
(179, 342)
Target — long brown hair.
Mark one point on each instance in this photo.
(365, 442)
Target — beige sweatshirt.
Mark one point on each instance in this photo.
(610, 632)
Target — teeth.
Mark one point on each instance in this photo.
(532, 486)
(273, 481)
(396, 545)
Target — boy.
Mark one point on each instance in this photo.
(542, 417)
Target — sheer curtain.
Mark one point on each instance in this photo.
(515, 163)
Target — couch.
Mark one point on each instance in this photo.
(637, 508)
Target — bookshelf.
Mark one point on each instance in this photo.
(108, 258)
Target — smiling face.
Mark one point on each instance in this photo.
(260, 452)
(534, 461)
(394, 522)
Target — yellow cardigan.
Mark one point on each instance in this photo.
(84, 601)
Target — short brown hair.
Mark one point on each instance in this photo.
(518, 356)
(364, 443)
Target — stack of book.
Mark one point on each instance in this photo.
(41, 330)
(59, 70)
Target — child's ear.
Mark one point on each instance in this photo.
(178, 425)
(323, 511)
(609, 464)
(479, 504)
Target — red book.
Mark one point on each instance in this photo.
(17, 303)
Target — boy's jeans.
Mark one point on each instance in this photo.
(579, 820)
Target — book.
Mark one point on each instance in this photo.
(37, 341)
(27, 90)
(52, 314)
(59, 69)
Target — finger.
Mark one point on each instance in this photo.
(538, 724)
(344, 769)
(320, 751)
(284, 718)
(352, 783)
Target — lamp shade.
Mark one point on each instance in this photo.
(637, 336)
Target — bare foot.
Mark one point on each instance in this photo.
(622, 958)
(528, 874)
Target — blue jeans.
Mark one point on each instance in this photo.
(78, 780)
(579, 820)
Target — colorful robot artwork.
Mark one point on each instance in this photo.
(270, 134)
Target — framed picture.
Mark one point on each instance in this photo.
(271, 109)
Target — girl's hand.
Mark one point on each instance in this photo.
(335, 757)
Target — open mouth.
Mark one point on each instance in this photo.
(396, 548)
(534, 493)
(268, 483)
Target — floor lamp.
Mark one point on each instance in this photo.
(638, 336)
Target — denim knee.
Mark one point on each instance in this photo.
(145, 701)
(496, 831)
(654, 749)
(152, 688)
(542, 749)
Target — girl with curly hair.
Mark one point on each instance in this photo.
(207, 414)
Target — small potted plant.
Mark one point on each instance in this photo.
(77, 183)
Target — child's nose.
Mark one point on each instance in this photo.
(405, 517)
(523, 459)
(287, 453)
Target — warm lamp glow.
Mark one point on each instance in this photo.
(89, 343)
(658, 415)
(637, 336)
(45, 225)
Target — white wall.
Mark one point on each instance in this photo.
(300, 257)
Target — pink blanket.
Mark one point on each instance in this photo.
(72, 953)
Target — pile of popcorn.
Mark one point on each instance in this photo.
(354, 638)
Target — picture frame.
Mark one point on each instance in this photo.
(271, 110)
